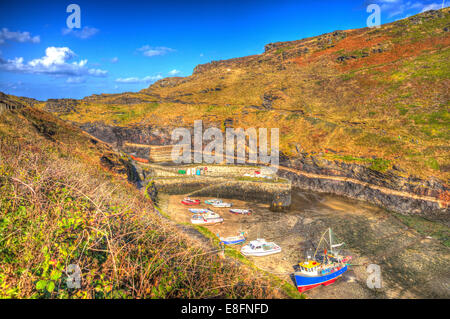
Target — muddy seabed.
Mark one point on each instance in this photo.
(412, 266)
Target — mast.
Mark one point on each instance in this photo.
(331, 244)
(321, 238)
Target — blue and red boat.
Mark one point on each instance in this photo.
(321, 269)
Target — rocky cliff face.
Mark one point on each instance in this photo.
(405, 195)
(8, 102)
(123, 138)
(391, 190)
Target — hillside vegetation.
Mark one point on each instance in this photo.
(362, 94)
(65, 199)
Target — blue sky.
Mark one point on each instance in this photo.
(127, 45)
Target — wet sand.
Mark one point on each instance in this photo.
(411, 266)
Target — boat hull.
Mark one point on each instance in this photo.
(237, 212)
(305, 282)
(260, 254)
(212, 201)
(221, 205)
(207, 222)
(190, 203)
(199, 210)
(233, 242)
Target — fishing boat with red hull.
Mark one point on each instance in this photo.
(189, 201)
(321, 269)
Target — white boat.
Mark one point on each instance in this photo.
(206, 219)
(222, 204)
(241, 211)
(200, 210)
(213, 201)
(260, 247)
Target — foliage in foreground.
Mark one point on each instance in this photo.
(58, 206)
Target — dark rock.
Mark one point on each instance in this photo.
(391, 201)
(170, 82)
(61, 106)
(267, 100)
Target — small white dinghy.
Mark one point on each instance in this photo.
(260, 247)
(241, 211)
(200, 210)
(213, 201)
(222, 204)
(206, 219)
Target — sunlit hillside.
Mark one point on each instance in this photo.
(353, 96)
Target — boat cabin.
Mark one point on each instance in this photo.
(261, 245)
(309, 267)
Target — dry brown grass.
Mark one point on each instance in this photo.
(59, 208)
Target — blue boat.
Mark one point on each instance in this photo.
(234, 240)
(305, 281)
(321, 269)
(200, 210)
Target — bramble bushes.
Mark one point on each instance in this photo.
(55, 210)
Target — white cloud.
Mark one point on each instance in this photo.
(84, 33)
(114, 60)
(76, 79)
(133, 80)
(174, 72)
(55, 62)
(394, 8)
(154, 51)
(17, 36)
(432, 6)
(12, 85)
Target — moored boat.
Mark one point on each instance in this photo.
(213, 201)
(222, 204)
(321, 269)
(241, 211)
(232, 240)
(206, 219)
(200, 210)
(189, 201)
(260, 247)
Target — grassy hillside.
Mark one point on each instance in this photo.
(64, 199)
(362, 93)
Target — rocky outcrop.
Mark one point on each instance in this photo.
(7, 103)
(230, 63)
(405, 195)
(267, 99)
(61, 106)
(123, 138)
(323, 40)
(169, 82)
